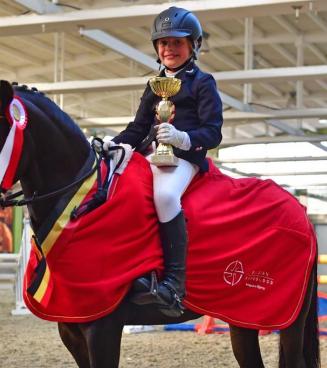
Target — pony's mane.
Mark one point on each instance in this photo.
(49, 108)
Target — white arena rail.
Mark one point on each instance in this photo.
(25, 248)
(8, 269)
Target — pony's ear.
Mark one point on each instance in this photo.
(6, 94)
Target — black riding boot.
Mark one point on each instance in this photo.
(169, 293)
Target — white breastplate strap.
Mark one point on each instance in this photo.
(11, 151)
(6, 152)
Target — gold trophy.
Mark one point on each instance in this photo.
(165, 87)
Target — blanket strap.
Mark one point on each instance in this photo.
(40, 287)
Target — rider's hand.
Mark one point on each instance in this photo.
(168, 134)
(107, 143)
(116, 155)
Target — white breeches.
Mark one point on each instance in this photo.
(169, 184)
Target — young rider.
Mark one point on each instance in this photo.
(176, 37)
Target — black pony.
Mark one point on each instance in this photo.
(54, 155)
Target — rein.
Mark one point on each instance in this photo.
(99, 153)
(10, 201)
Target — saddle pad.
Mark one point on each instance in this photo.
(251, 251)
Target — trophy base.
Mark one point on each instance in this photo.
(164, 160)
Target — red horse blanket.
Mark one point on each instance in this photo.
(251, 250)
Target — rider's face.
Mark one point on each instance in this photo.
(174, 52)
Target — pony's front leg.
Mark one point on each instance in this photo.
(75, 342)
(245, 344)
(103, 338)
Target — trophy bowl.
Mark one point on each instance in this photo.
(165, 87)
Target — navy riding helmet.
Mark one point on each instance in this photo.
(177, 22)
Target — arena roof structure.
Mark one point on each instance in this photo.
(269, 58)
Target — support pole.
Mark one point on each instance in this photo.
(22, 263)
(248, 57)
(299, 83)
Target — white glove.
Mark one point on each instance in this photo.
(117, 154)
(107, 142)
(168, 134)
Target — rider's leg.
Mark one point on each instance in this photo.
(169, 184)
(171, 289)
(246, 349)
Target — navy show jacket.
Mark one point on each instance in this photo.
(198, 112)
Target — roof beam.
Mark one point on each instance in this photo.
(312, 97)
(105, 39)
(77, 61)
(14, 53)
(236, 116)
(273, 74)
(282, 21)
(98, 85)
(272, 159)
(278, 139)
(123, 48)
(315, 50)
(242, 76)
(280, 38)
(40, 6)
(299, 134)
(319, 21)
(285, 53)
(144, 14)
(229, 117)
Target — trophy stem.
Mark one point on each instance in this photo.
(165, 88)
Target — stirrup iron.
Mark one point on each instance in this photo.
(149, 296)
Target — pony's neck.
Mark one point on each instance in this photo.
(55, 153)
(56, 172)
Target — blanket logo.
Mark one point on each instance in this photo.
(259, 280)
(234, 273)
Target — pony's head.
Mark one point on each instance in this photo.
(40, 145)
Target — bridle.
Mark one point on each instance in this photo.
(10, 201)
(98, 198)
